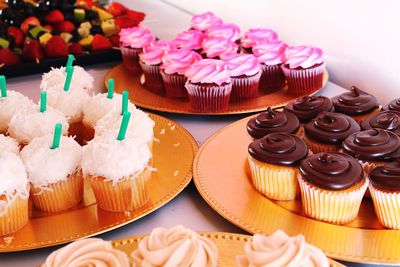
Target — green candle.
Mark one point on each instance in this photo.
(125, 100)
(70, 71)
(70, 60)
(110, 88)
(3, 86)
(43, 101)
(57, 136)
(124, 125)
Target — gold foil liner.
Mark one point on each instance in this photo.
(59, 196)
(387, 207)
(273, 181)
(338, 207)
(316, 147)
(128, 194)
(15, 217)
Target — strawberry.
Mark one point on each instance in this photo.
(135, 15)
(7, 57)
(75, 49)
(32, 50)
(100, 43)
(30, 21)
(56, 47)
(65, 26)
(125, 22)
(115, 40)
(49, 27)
(54, 16)
(17, 34)
(116, 9)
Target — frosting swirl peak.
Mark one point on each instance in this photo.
(179, 61)
(218, 46)
(388, 120)
(242, 64)
(208, 71)
(355, 102)
(136, 37)
(203, 21)
(271, 52)
(387, 177)
(190, 39)
(303, 56)
(393, 105)
(257, 35)
(308, 107)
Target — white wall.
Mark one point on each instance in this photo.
(361, 38)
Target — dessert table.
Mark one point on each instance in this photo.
(188, 208)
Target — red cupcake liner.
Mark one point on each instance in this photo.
(272, 78)
(130, 59)
(174, 85)
(208, 97)
(304, 81)
(153, 80)
(245, 87)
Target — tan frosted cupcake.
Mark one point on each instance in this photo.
(14, 193)
(332, 186)
(274, 163)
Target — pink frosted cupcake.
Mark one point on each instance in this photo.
(271, 55)
(217, 47)
(245, 74)
(203, 21)
(190, 40)
(255, 36)
(209, 85)
(227, 31)
(173, 68)
(304, 69)
(132, 41)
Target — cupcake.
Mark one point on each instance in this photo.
(227, 31)
(357, 104)
(8, 144)
(274, 161)
(177, 246)
(14, 193)
(387, 120)
(373, 147)
(308, 107)
(393, 105)
(190, 40)
(209, 85)
(54, 174)
(328, 130)
(203, 21)
(304, 69)
(255, 36)
(245, 75)
(280, 250)
(173, 68)
(217, 47)
(132, 40)
(273, 121)
(385, 192)
(87, 252)
(332, 186)
(271, 56)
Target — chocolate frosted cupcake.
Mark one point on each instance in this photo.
(356, 104)
(388, 120)
(328, 130)
(332, 186)
(273, 121)
(308, 107)
(393, 105)
(273, 162)
(373, 147)
(385, 192)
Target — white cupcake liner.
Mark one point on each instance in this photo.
(387, 207)
(130, 58)
(272, 78)
(153, 80)
(208, 97)
(245, 87)
(174, 85)
(304, 81)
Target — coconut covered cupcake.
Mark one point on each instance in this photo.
(191, 40)
(217, 47)
(255, 36)
(177, 246)
(8, 144)
(228, 31)
(203, 21)
(387, 120)
(308, 107)
(14, 193)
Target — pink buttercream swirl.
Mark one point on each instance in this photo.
(203, 21)
(271, 52)
(190, 39)
(227, 31)
(136, 37)
(178, 61)
(217, 47)
(209, 71)
(254, 36)
(303, 56)
(153, 53)
(242, 64)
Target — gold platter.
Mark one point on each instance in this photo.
(172, 176)
(221, 174)
(229, 246)
(146, 99)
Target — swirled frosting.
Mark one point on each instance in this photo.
(279, 149)
(217, 47)
(179, 61)
(93, 252)
(9, 105)
(332, 128)
(203, 21)
(303, 56)
(280, 250)
(272, 121)
(257, 35)
(271, 52)
(387, 177)
(8, 144)
(136, 37)
(177, 246)
(331, 170)
(209, 71)
(242, 64)
(228, 31)
(190, 39)
(355, 102)
(308, 107)
(393, 105)
(374, 144)
(153, 53)
(388, 120)
(13, 178)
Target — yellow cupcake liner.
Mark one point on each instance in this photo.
(59, 196)
(126, 195)
(387, 207)
(316, 147)
(338, 207)
(15, 217)
(273, 181)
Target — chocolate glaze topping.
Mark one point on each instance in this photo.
(332, 128)
(388, 120)
(393, 105)
(308, 107)
(355, 102)
(374, 144)
(272, 121)
(279, 149)
(331, 171)
(387, 177)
